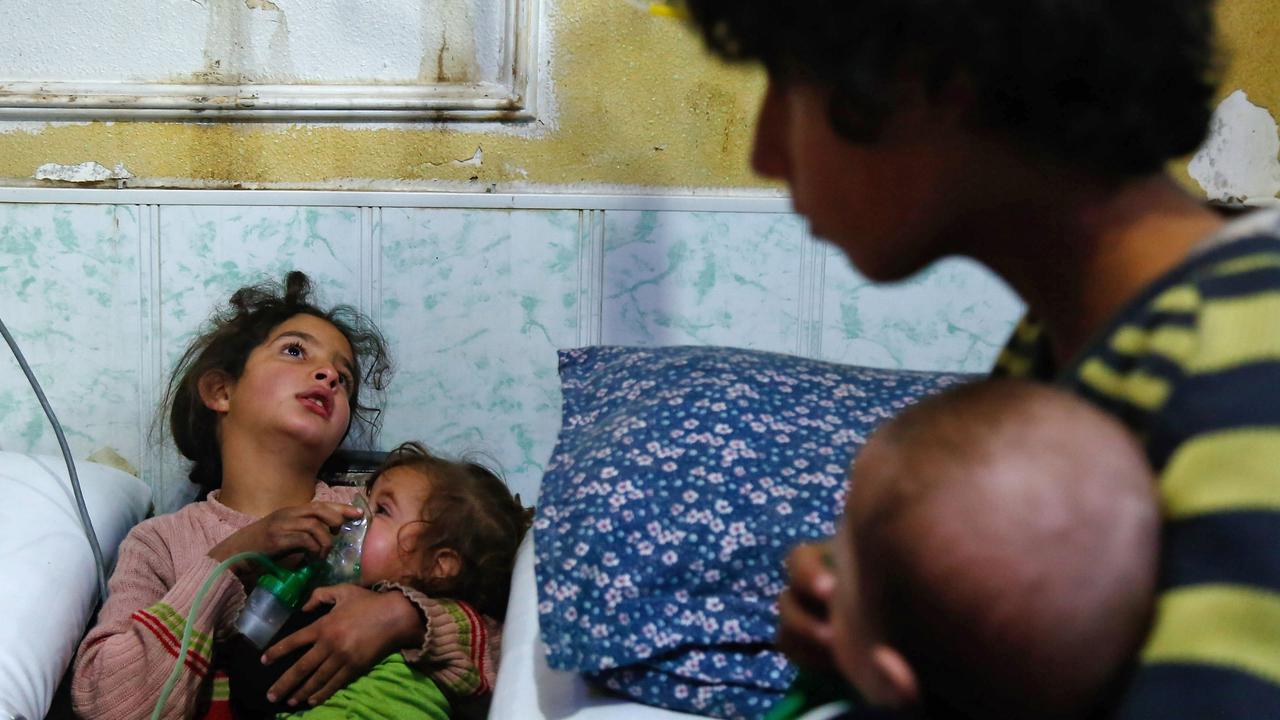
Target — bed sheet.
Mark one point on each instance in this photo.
(528, 689)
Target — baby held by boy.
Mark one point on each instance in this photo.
(997, 558)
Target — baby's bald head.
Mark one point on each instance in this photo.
(1004, 537)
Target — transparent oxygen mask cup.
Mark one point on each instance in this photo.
(342, 564)
(280, 592)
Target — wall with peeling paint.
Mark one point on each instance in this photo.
(1240, 161)
(628, 101)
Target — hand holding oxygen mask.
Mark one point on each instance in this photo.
(281, 591)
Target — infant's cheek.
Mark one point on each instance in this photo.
(372, 560)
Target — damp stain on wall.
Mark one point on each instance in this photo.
(630, 100)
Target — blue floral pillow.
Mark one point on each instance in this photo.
(681, 478)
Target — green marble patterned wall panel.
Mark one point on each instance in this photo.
(69, 293)
(703, 279)
(954, 315)
(475, 304)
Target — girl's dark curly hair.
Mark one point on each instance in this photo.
(228, 338)
(1117, 88)
(470, 510)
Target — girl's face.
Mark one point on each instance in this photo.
(296, 384)
(398, 501)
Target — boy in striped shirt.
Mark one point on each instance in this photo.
(1033, 137)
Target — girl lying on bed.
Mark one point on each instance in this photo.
(440, 529)
(258, 403)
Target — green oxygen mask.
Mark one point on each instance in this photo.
(281, 591)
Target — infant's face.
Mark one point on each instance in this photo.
(397, 500)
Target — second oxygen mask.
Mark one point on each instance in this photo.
(281, 591)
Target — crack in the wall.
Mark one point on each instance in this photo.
(476, 160)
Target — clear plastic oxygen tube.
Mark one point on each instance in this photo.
(191, 622)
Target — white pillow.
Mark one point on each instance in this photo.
(46, 567)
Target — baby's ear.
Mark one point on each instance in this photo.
(445, 563)
(896, 685)
(215, 388)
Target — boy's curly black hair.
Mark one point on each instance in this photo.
(228, 338)
(471, 510)
(1117, 87)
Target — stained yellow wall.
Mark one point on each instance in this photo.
(638, 103)
(1251, 37)
(1249, 29)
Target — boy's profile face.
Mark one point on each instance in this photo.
(885, 203)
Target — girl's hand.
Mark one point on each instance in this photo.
(303, 528)
(362, 628)
(804, 630)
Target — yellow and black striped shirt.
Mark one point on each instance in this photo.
(1192, 366)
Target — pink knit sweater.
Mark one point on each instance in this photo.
(125, 659)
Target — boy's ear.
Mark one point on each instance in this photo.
(215, 390)
(445, 564)
(896, 683)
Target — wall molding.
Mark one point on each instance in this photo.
(813, 273)
(371, 263)
(151, 362)
(762, 203)
(513, 97)
(590, 277)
